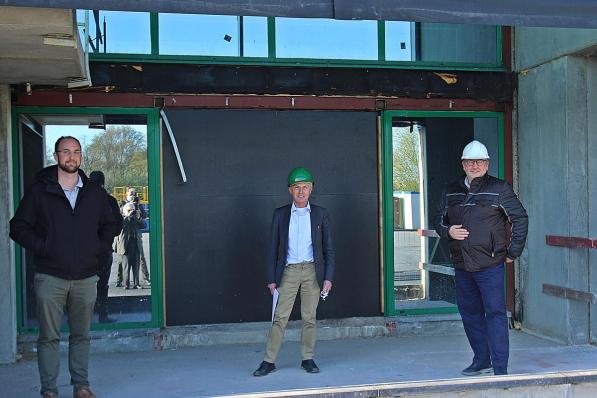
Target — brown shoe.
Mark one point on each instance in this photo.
(49, 394)
(83, 392)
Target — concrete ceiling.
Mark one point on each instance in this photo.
(40, 46)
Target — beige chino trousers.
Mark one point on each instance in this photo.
(296, 277)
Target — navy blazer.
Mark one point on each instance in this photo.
(321, 237)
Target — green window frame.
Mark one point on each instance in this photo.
(273, 60)
(387, 202)
(155, 222)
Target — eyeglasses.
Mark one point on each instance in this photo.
(470, 162)
(68, 152)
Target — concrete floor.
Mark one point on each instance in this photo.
(209, 371)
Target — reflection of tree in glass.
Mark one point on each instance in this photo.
(406, 159)
(121, 153)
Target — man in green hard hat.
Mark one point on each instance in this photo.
(300, 258)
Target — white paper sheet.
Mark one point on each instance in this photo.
(274, 303)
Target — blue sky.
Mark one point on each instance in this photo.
(184, 34)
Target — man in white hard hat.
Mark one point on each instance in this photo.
(476, 214)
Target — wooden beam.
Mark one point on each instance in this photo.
(570, 242)
(571, 294)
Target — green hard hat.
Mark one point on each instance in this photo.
(299, 174)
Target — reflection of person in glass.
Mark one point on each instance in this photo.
(105, 263)
(132, 197)
(127, 247)
(476, 214)
(65, 221)
(300, 258)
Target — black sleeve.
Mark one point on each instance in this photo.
(328, 247)
(142, 212)
(517, 216)
(441, 222)
(115, 210)
(109, 226)
(272, 249)
(22, 225)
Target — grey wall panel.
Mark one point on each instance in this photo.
(535, 46)
(543, 159)
(592, 182)
(554, 152)
(576, 124)
(217, 225)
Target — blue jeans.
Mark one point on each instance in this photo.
(482, 306)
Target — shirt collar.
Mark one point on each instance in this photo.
(294, 208)
(79, 184)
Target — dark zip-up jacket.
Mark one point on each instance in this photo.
(66, 243)
(487, 210)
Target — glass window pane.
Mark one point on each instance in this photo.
(127, 32)
(124, 32)
(255, 36)
(434, 42)
(457, 43)
(399, 43)
(326, 39)
(182, 34)
(426, 156)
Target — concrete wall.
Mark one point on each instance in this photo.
(534, 46)
(8, 326)
(557, 168)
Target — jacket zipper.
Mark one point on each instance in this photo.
(492, 244)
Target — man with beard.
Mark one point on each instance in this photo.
(486, 225)
(66, 223)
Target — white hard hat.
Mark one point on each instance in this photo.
(475, 150)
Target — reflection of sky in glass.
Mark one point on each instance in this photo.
(218, 35)
(398, 33)
(126, 32)
(255, 36)
(211, 35)
(325, 38)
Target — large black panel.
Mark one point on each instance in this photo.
(216, 225)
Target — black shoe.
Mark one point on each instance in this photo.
(500, 372)
(118, 284)
(264, 369)
(476, 369)
(309, 366)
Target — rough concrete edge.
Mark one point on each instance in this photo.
(436, 386)
(175, 337)
(8, 330)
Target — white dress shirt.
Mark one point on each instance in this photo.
(300, 246)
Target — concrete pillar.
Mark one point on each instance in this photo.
(8, 326)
